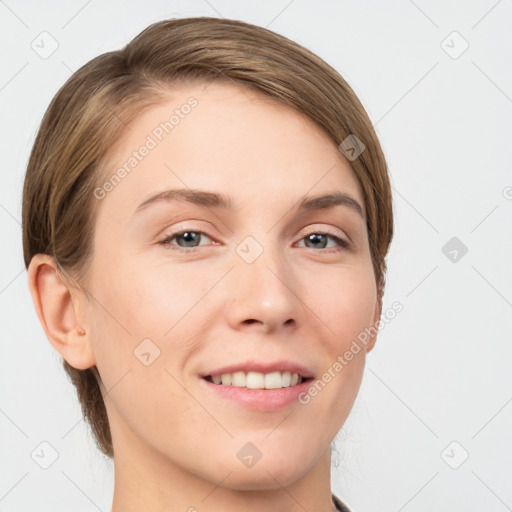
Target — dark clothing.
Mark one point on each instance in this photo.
(339, 504)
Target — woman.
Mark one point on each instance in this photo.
(206, 215)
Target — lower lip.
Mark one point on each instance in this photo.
(260, 399)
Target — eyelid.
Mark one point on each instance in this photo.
(183, 227)
(313, 228)
(343, 240)
(329, 230)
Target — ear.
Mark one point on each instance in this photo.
(60, 312)
(374, 327)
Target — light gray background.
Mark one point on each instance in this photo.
(440, 371)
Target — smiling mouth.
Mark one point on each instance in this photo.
(257, 380)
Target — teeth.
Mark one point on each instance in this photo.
(239, 380)
(257, 380)
(226, 379)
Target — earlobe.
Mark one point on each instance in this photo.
(59, 312)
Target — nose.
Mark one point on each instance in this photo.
(263, 295)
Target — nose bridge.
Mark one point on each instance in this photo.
(262, 283)
(262, 260)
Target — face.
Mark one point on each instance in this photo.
(239, 283)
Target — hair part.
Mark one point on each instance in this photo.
(96, 105)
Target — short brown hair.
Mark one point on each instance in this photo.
(92, 109)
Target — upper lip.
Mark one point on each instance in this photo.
(262, 367)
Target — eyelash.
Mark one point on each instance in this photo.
(343, 244)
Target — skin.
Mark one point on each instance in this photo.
(175, 444)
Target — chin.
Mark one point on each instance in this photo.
(277, 467)
(270, 477)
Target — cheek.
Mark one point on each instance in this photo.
(144, 309)
(142, 302)
(136, 302)
(348, 310)
(347, 304)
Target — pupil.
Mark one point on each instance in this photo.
(314, 238)
(189, 236)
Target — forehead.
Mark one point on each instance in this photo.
(224, 137)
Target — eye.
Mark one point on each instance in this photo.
(189, 238)
(319, 240)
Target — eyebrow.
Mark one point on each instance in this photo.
(220, 201)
